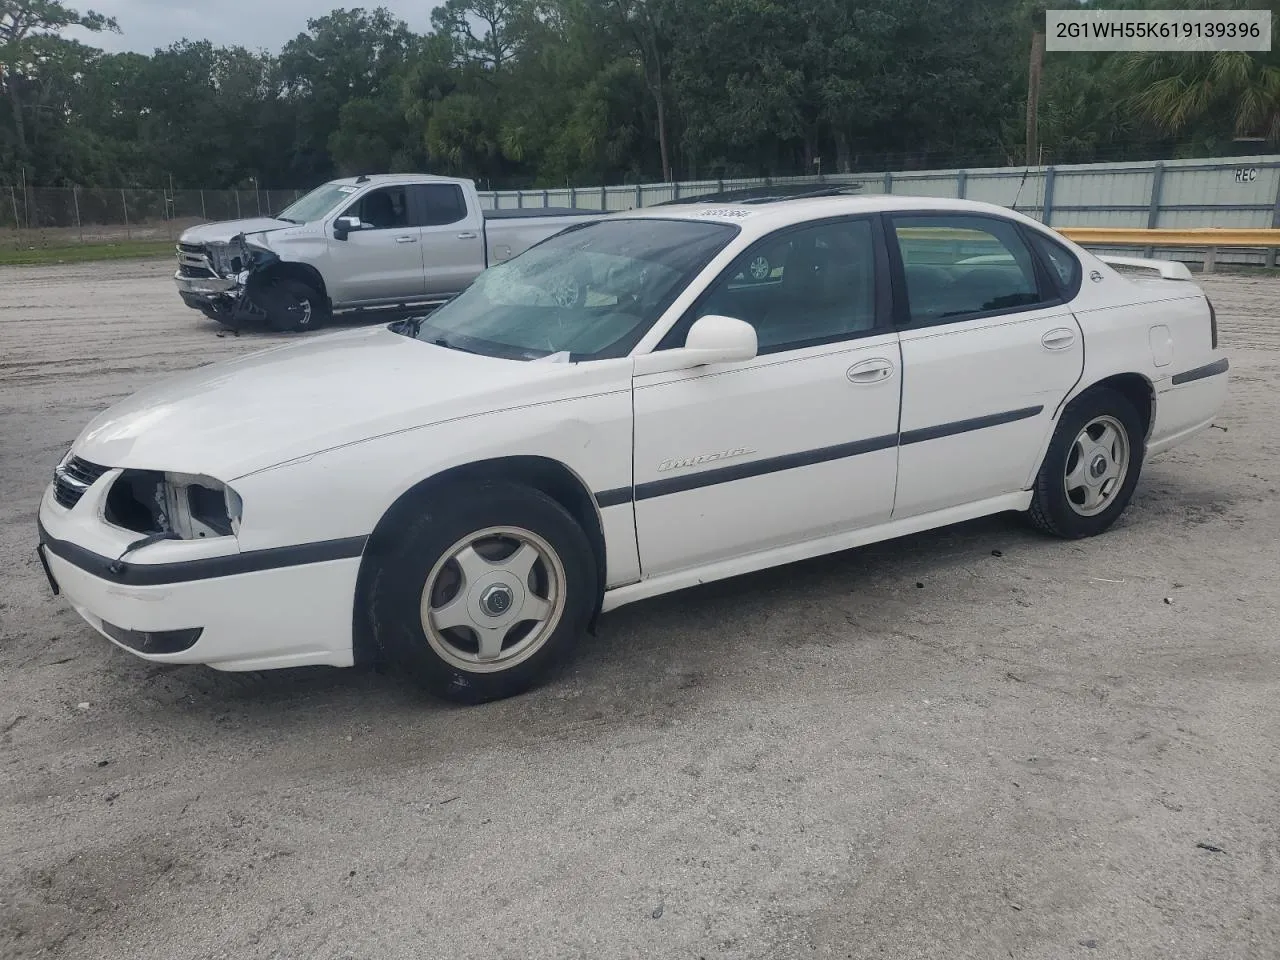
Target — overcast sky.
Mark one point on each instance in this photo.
(148, 24)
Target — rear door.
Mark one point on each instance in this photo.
(383, 261)
(989, 351)
(452, 237)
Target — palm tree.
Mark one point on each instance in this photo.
(1189, 92)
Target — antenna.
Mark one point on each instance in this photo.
(1021, 183)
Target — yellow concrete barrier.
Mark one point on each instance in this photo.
(1193, 237)
(1210, 238)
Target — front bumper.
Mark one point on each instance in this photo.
(206, 288)
(264, 617)
(215, 293)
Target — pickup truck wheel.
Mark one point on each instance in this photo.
(1092, 466)
(485, 593)
(293, 305)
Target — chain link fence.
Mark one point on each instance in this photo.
(65, 216)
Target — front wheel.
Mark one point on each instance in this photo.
(485, 593)
(1092, 466)
(293, 305)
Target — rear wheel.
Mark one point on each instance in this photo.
(485, 593)
(1092, 466)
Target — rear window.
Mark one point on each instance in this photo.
(958, 266)
(440, 204)
(1062, 263)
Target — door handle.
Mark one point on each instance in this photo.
(1058, 339)
(466, 236)
(870, 371)
(406, 239)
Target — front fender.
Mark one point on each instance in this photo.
(344, 492)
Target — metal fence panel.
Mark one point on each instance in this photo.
(1007, 189)
(1098, 218)
(1215, 218)
(1103, 189)
(934, 186)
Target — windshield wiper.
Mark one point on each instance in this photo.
(442, 342)
(288, 220)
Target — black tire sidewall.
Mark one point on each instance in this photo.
(302, 291)
(1051, 494)
(448, 515)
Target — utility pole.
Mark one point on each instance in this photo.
(1035, 69)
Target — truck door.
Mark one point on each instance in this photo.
(382, 261)
(452, 237)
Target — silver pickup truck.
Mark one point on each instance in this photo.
(362, 243)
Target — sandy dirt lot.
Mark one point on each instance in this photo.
(971, 743)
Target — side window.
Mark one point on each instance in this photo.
(1061, 260)
(959, 266)
(439, 204)
(384, 209)
(812, 285)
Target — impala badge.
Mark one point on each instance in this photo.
(683, 463)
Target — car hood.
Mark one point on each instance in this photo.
(227, 230)
(236, 417)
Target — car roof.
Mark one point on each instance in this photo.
(759, 218)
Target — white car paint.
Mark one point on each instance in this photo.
(319, 439)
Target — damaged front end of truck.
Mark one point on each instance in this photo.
(243, 284)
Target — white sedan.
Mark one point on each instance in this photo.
(625, 410)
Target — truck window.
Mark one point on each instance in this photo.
(386, 208)
(439, 204)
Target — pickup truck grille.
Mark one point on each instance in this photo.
(73, 478)
(193, 261)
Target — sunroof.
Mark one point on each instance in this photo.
(754, 195)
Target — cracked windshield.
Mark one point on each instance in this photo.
(590, 292)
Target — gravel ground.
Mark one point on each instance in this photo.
(970, 743)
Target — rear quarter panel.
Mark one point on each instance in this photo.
(1157, 329)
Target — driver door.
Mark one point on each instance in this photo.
(796, 444)
(382, 262)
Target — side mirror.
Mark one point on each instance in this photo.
(346, 225)
(711, 339)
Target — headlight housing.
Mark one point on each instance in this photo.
(225, 258)
(186, 506)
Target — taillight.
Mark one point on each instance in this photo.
(1213, 324)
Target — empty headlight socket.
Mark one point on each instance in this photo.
(188, 506)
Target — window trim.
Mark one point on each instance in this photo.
(1046, 287)
(882, 295)
(415, 193)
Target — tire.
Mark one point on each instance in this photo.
(1082, 487)
(420, 587)
(292, 305)
(759, 270)
(571, 291)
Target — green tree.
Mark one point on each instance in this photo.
(28, 45)
(344, 56)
